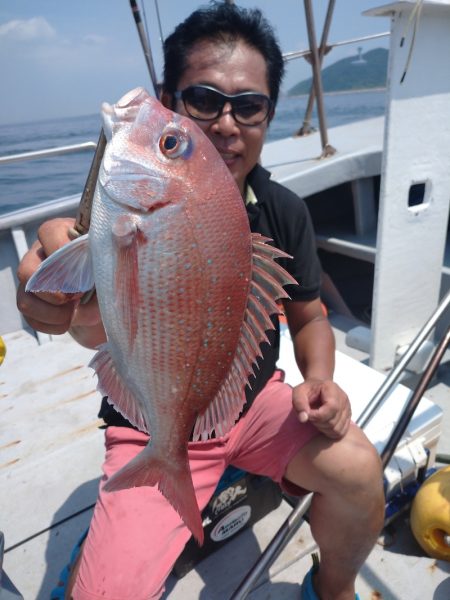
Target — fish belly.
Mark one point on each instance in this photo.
(172, 302)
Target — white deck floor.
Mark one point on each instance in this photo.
(51, 447)
(51, 451)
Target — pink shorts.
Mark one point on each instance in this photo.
(135, 536)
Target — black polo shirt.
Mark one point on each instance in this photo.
(282, 216)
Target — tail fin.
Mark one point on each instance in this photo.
(173, 479)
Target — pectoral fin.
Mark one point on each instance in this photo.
(68, 270)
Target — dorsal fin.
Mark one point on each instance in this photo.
(268, 277)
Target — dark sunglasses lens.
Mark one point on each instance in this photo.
(202, 103)
(251, 109)
(207, 104)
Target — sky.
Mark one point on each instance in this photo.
(63, 58)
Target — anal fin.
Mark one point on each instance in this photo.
(111, 384)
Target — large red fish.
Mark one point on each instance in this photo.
(185, 290)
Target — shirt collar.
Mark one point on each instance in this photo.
(250, 196)
(258, 179)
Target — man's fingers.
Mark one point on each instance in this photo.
(87, 314)
(36, 312)
(301, 404)
(33, 259)
(44, 311)
(325, 405)
(30, 262)
(54, 234)
(332, 425)
(303, 416)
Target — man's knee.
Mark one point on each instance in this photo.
(347, 466)
(357, 465)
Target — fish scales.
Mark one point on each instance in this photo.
(172, 258)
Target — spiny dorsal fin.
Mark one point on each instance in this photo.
(110, 384)
(268, 277)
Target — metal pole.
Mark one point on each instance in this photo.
(277, 543)
(287, 56)
(306, 127)
(394, 375)
(327, 149)
(412, 403)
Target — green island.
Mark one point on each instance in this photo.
(361, 72)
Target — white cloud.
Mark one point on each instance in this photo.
(31, 30)
(94, 40)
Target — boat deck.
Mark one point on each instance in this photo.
(50, 466)
(52, 444)
(358, 155)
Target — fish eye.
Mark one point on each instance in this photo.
(173, 143)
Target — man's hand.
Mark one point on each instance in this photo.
(325, 405)
(54, 313)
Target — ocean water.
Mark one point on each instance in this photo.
(32, 182)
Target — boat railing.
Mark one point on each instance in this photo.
(314, 55)
(47, 152)
(18, 225)
(288, 56)
(44, 210)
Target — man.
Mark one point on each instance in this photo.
(223, 68)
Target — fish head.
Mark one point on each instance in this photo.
(154, 156)
(115, 116)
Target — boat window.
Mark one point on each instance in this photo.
(416, 194)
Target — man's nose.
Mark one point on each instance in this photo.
(225, 123)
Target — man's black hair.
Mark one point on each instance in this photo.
(225, 22)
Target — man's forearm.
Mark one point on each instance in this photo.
(314, 348)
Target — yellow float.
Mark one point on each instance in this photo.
(430, 515)
(2, 350)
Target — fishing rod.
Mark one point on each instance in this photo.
(83, 218)
(145, 46)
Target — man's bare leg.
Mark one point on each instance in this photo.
(73, 575)
(347, 511)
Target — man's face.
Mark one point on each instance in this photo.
(231, 69)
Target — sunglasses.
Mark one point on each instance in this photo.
(206, 104)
